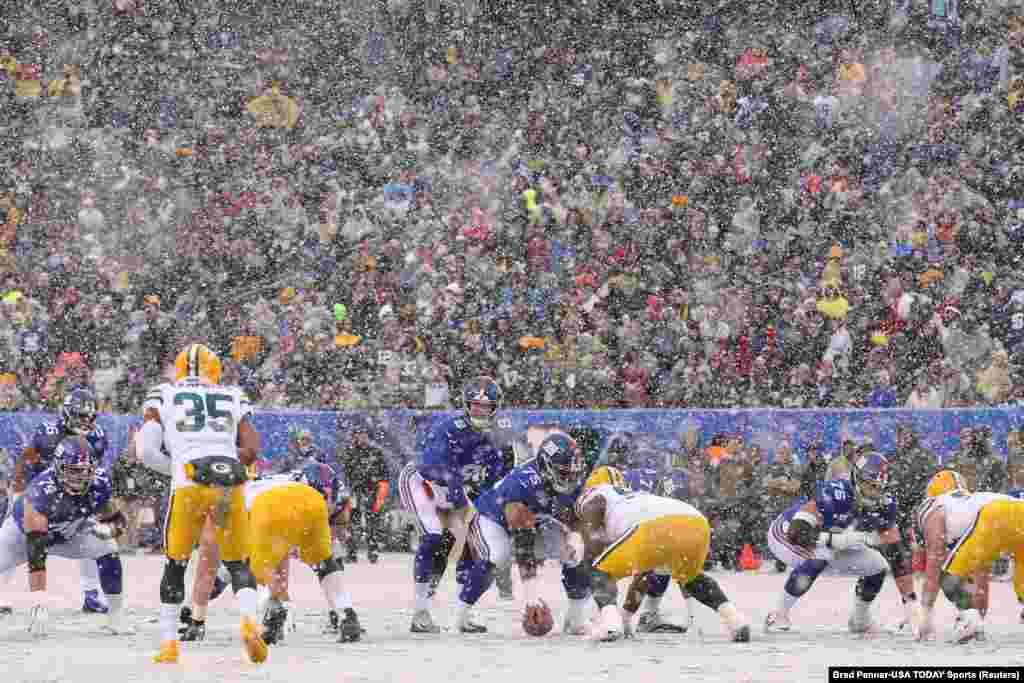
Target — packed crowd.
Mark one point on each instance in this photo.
(647, 204)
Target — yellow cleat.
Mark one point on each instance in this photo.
(168, 653)
(253, 640)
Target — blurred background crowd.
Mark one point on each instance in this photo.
(644, 204)
(616, 205)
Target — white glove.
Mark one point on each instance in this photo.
(104, 532)
(38, 620)
(926, 629)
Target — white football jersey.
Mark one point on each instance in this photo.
(256, 488)
(625, 509)
(959, 509)
(199, 420)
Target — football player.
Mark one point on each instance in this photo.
(207, 430)
(964, 533)
(458, 451)
(77, 418)
(837, 532)
(510, 526)
(634, 533)
(67, 511)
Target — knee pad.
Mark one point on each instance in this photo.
(172, 585)
(706, 591)
(803, 577)
(868, 587)
(111, 573)
(326, 568)
(576, 581)
(241, 575)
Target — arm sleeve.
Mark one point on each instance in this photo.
(149, 447)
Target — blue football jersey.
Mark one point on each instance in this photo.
(455, 455)
(67, 514)
(48, 436)
(644, 479)
(524, 485)
(837, 504)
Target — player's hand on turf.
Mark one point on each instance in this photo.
(534, 610)
(38, 620)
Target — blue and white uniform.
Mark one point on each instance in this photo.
(70, 525)
(836, 504)
(454, 456)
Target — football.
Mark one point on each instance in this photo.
(538, 621)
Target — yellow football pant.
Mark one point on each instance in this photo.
(293, 516)
(998, 529)
(678, 543)
(187, 513)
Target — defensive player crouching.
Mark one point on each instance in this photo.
(632, 533)
(964, 533)
(832, 533)
(295, 511)
(511, 518)
(58, 515)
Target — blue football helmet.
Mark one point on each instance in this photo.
(322, 478)
(75, 465)
(481, 399)
(78, 414)
(560, 462)
(870, 474)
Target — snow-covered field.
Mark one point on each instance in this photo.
(76, 652)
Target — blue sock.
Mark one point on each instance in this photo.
(463, 566)
(110, 571)
(479, 577)
(657, 584)
(576, 581)
(424, 564)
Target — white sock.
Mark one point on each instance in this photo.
(422, 597)
(691, 606)
(787, 601)
(653, 603)
(575, 611)
(463, 612)
(89, 573)
(334, 591)
(248, 602)
(169, 621)
(115, 602)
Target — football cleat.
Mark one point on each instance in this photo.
(471, 627)
(422, 622)
(349, 630)
(193, 631)
(332, 622)
(273, 624)
(372, 557)
(776, 621)
(93, 604)
(741, 635)
(254, 645)
(169, 653)
(968, 626)
(574, 627)
(6, 610)
(651, 622)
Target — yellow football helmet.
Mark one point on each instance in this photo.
(605, 475)
(946, 481)
(198, 361)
